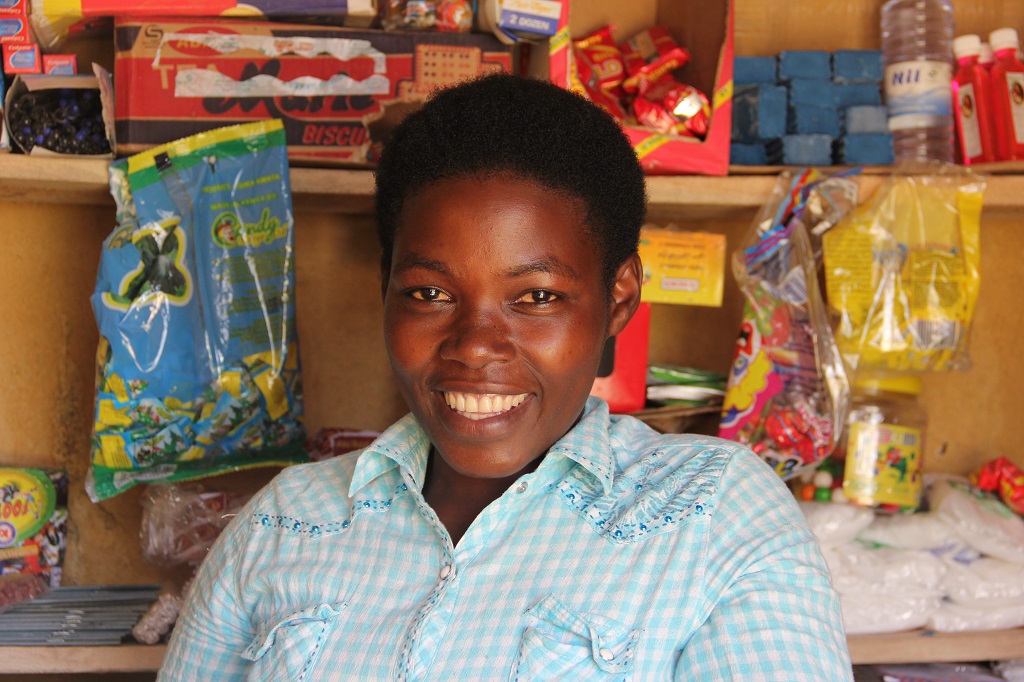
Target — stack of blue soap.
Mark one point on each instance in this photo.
(832, 110)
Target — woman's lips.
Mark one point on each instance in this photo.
(478, 406)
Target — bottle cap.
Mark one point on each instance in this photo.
(1003, 39)
(897, 383)
(967, 45)
(986, 56)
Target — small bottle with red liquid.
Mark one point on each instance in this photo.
(1007, 95)
(972, 103)
(986, 58)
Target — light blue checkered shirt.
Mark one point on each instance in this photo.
(626, 555)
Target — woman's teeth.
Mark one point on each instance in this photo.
(482, 405)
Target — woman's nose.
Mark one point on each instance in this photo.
(478, 337)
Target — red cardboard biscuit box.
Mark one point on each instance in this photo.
(338, 91)
(705, 29)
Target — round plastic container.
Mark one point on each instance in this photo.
(884, 443)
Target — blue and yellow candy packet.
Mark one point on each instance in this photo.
(197, 366)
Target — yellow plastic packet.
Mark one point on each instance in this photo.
(902, 273)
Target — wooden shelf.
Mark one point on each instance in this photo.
(128, 658)
(84, 181)
(916, 646)
(896, 647)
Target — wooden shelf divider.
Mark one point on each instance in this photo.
(84, 181)
(896, 647)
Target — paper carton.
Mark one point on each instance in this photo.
(338, 91)
(706, 31)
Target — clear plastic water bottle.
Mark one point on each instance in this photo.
(917, 50)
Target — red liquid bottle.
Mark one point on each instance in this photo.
(986, 58)
(1007, 95)
(972, 100)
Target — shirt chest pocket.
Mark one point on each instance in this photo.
(289, 650)
(559, 644)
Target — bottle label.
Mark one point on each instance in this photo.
(967, 117)
(918, 94)
(883, 464)
(1015, 88)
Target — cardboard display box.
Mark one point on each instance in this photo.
(338, 91)
(705, 30)
(99, 83)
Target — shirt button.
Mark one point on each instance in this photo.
(606, 654)
(522, 487)
(446, 571)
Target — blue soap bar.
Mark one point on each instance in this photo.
(771, 111)
(807, 150)
(805, 64)
(753, 69)
(850, 94)
(767, 152)
(758, 112)
(864, 118)
(865, 150)
(805, 119)
(748, 154)
(814, 92)
(857, 65)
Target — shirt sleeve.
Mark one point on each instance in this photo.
(772, 613)
(215, 626)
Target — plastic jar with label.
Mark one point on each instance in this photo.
(884, 443)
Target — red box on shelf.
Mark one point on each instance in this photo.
(338, 91)
(705, 30)
(21, 58)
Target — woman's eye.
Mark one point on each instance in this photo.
(539, 296)
(430, 294)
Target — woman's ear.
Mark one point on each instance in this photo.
(625, 293)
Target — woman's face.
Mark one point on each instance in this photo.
(495, 315)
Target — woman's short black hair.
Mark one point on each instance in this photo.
(528, 128)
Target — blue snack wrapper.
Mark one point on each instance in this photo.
(197, 367)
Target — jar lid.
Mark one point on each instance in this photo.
(1003, 39)
(897, 383)
(967, 45)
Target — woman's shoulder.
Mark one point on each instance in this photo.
(633, 441)
(306, 490)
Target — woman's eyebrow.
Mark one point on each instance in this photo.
(549, 265)
(413, 260)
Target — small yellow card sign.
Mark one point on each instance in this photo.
(685, 268)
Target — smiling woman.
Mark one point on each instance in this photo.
(510, 527)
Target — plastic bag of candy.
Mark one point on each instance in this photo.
(197, 365)
(453, 16)
(33, 524)
(181, 521)
(902, 272)
(788, 393)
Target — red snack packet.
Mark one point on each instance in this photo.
(606, 100)
(673, 108)
(600, 60)
(1005, 478)
(651, 55)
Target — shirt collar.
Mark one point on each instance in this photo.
(405, 445)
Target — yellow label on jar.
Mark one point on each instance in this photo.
(883, 465)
